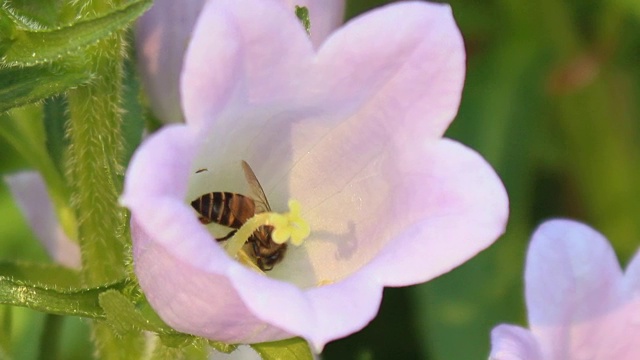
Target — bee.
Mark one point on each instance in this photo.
(233, 210)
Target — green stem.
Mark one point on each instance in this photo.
(95, 155)
(49, 342)
(6, 319)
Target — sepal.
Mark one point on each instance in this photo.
(294, 348)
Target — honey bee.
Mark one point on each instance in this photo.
(233, 210)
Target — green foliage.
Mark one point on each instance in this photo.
(25, 85)
(295, 348)
(30, 46)
(41, 274)
(5, 331)
(121, 314)
(55, 116)
(52, 299)
(303, 14)
(133, 119)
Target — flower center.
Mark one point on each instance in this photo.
(288, 225)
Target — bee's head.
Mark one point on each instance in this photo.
(267, 263)
(268, 254)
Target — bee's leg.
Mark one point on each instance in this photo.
(204, 220)
(229, 235)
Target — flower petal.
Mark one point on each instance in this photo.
(510, 342)
(319, 314)
(346, 151)
(162, 35)
(450, 205)
(259, 59)
(632, 275)
(444, 203)
(414, 72)
(31, 194)
(352, 133)
(206, 303)
(574, 290)
(217, 297)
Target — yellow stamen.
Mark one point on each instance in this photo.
(286, 225)
(324, 282)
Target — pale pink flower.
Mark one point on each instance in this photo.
(352, 130)
(30, 193)
(163, 33)
(580, 303)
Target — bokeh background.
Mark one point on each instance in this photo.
(551, 100)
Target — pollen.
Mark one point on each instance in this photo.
(290, 225)
(287, 226)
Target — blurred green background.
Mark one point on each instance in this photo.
(551, 101)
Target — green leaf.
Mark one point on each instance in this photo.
(176, 340)
(45, 275)
(222, 347)
(192, 348)
(133, 116)
(38, 14)
(111, 346)
(53, 300)
(30, 47)
(303, 15)
(55, 116)
(25, 85)
(122, 314)
(294, 348)
(163, 352)
(7, 29)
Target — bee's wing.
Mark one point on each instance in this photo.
(257, 193)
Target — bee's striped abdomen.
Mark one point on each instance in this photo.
(224, 208)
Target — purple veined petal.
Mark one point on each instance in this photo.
(206, 286)
(510, 342)
(448, 205)
(164, 32)
(260, 61)
(162, 36)
(580, 304)
(414, 72)
(31, 194)
(355, 139)
(632, 276)
(348, 159)
(319, 314)
(576, 296)
(278, 127)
